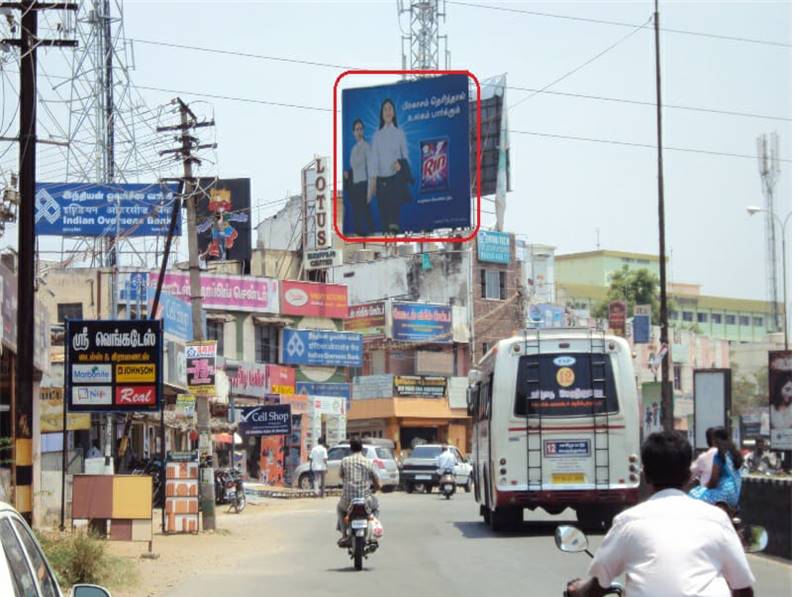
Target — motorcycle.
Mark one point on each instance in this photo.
(360, 529)
(571, 540)
(447, 485)
(230, 489)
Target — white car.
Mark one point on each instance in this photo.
(25, 572)
(382, 457)
(420, 468)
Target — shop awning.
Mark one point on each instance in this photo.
(226, 438)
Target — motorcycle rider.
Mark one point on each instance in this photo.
(446, 462)
(670, 545)
(358, 476)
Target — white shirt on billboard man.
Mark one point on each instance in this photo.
(318, 466)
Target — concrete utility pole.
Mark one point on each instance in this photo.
(188, 121)
(667, 395)
(22, 407)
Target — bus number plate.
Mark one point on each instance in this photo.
(562, 478)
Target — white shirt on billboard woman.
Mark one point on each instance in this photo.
(388, 147)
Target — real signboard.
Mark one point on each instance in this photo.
(314, 299)
(223, 219)
(272, 419)
(113, 365)
(201, 367)
(367, 319)
(493, 247)
(420, 386)
(224, 292)
(780, 391)
(80, 209)
(412, 154)
(417, 322)
(322, 348)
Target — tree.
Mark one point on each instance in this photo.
(635, 287)
(749, 390)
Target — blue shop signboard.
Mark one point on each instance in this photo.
(176, 315)
(272, 419)
(322, 348)
(417, 322)
(493, 247)
(335, 389)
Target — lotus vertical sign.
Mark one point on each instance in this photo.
(113, 365)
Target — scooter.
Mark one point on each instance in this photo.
(447, 485)
(360, 525)
(571, 540)
(230, 489)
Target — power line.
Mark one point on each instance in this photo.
(537, 13)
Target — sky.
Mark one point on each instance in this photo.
(565, 192)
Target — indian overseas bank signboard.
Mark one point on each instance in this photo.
(78, 209)
(272, 419)
(322, 348)
(493, 247)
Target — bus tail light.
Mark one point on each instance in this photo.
(633, 478)
(503, 461)
(502, 471)
(633, 458)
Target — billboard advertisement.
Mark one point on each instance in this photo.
(493, 247)
(420, 386)
(617, 317)
(417, 322)
(224, 292)
(313, 299)
(201, 367)
(495, 162)
(79, 209)
(280, 380)
(246, 379)
(51, 417)
(113, 365)
(545, 316)
(641, 324)
(367, 320)
(224, 223)
(780, 391)
(316, 205)
(175, 313)
(272, 419)
(322, 348)
(406, 156)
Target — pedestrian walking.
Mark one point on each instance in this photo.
(318, 466)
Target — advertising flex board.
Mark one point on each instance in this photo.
(79, 209)
(113, 365)
(224, 292)
(417, 322)
(224, 226)
(280, 380)
(367, 319)
(322, 348)
(780, 391)
(545, 316)
(493, 247)
(420, 386)
(201, 367)
(372, 386)
(272, 419)
(313, 299)
(617, 317)
(412, 155)
(317, 208)
(246, 379)
(336, 389)
(51, 417)
(175, 313)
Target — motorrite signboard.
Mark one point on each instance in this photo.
(113, 365)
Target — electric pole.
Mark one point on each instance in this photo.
(189, 143)
(22, 406)
(666, 411)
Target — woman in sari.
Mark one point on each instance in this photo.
(725, 482)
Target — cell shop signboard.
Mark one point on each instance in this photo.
(412, 156)
(113, 366)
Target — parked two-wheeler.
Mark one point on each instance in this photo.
(447, 484)
(230, 489)
(360, 529)
(572, 540)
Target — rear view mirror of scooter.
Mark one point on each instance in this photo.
(571, 540)
(754, 538)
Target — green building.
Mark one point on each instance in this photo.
(583, 280)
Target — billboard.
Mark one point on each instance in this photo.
(493, 247)
(51, 413)
(417, 322)
(641, 324)
(617, 317)
(272, 419)
(313, 299)
(280, 380)
(79, 209)
(712, 391)
(322, 348)
(201, 367)
(175, 313)
(545, 316)
(367, 319)
(406, 156)
(336, 389)
(495, 163)
(420, 386)
(780, 391)
(317, 210)
(224, 292)
(224, 222)
(113, 365)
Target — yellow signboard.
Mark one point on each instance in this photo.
(566, 478)
(135, 373)
(52, 413)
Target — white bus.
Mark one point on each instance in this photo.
(555, 424)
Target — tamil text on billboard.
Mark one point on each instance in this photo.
(780, 385)
(367, 319)
(78, 209)
(313, 299)
(493, 247)
(224, 292)
(417, 322)
(201, 367)
(113, 365)
(406, 156)
(224, 222)
(322, 348)
(420, 386)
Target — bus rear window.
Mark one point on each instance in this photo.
(563, 385)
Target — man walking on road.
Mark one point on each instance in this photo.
(318, 466)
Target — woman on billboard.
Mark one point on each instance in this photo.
(391, 174)
(781, 402)
(356, 179)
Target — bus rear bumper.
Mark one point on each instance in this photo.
(627, 496)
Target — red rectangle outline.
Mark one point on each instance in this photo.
(406, 239)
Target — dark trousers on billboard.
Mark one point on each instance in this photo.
(361, 215)
(389, 200)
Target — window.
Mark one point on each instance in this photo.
(673, 315)
(493, 284)
(21, 576)
(42, 571)
(702, 317)
(730, 319)
(716, 318)
(267, 343)
(759, 322)
(484, 348)
(338, 453)
(677, 377)
(745, 320)
(70, 311)
(687, 316)
(216, 332)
